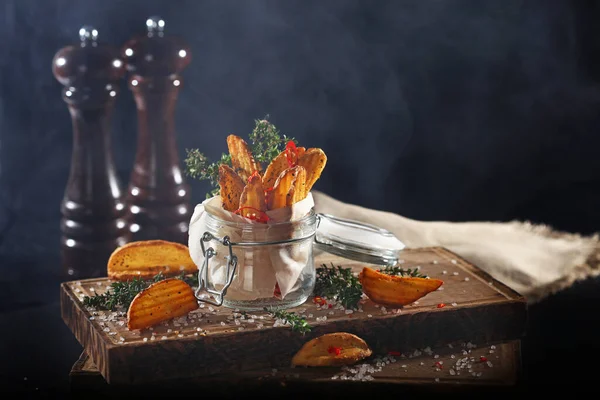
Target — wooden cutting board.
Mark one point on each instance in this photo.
(211, 340)
(448, 368)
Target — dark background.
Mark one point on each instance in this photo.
(452, 110)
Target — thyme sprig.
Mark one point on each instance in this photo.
(121, 294)
(410, 272)
(265, 144)
(297, 322)
(338, 283)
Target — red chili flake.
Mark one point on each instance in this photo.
(292, 153)
(336, 350)
(330, 306)
(394, 353)
(255, 173)
(319, 300)
(482, 359)
(439, 365)
(277, 291)
(441, 305)
(260, 216)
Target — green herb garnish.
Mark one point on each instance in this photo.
(297, 322)
(413, 273)
(121, 294)
(338, 283)
(265, 144)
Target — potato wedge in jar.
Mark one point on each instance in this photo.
(253, 203)
(313, 160)
(395, 291)
(283, 189)
(161, 301)
(231, 186)
(298, 190)
(242, 160)
(274, 169)
(332, 349)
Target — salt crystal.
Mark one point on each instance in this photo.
(455, 273)
(199, 329)
(369, 315)
(467, 279)
(145, 339)
(310, 315)
(452, 372)
(153, 338)
(436, 356)
(437, 379)
(201, 305)
(491, 351)
(441, 288)
(106, 330)
(453, 261)
(450, 345)
(121, 339)
(444, 272)
(92, 318)
(434, 262)
(222, 323)
(422, 363)
(454, 304)
(492, 347)
(331, 313)
(489, 364)
(452, 356)
(164, 337)
(350, 311)
(241, 328)
(112, 333)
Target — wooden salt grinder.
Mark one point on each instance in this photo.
(158, 195)
(94, 218)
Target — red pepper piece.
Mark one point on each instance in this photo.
(482, 359)
(439, 365)
(336, 350)
(260, 216)
(292, 153)
(441, 305)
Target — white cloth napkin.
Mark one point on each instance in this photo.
(531, 259)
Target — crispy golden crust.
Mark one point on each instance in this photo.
(332, 349)
(282, 192)
(313, 160)
(147, 258)
(231, 186)
(161, 301)
(274, 169)
(395, 291)
(253, 195)
(298, 190)
(241, 158)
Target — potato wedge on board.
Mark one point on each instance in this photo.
(161, 301)
(395, 291)
(253, 197)
(241, 158)
(298, 190)
(146, 258)
(332, 349)
(274, 169)
(231, 187)
(278, 197)
(313, 160)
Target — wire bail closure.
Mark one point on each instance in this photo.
(204, 292)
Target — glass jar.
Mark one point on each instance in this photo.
(252, 266)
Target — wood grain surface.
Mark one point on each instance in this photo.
(493, 365)
(216, 340)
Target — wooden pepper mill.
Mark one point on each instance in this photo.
(94, 217)
(158, 195)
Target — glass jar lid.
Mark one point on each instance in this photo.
(356, 240)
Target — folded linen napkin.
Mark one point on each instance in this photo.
(534, 260)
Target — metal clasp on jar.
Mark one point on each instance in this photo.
(204, 292)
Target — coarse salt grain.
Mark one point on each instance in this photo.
(145, 339)
(369, 315)
(437, 379)
(453, 261)
(467, 279)
(350, 311)
(434, 262)
(489, 364)
(436, 356)
(455, 273)
(106, 330)
(454, 304)
(164, 338)
(444, 272)
(492, 347)
(452, 372)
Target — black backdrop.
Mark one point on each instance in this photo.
(454, 110)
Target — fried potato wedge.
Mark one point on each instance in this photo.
(332, 349)
(313, 160)
(253, 197)
(146, 258)
(241, 158)
(274, 169)
(283, 188)
(300, 152)
(395, 291)
(231, 187)
(161, 301)
(298, 190)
